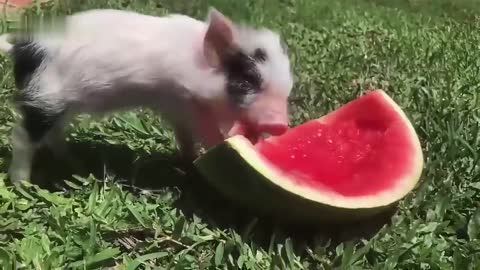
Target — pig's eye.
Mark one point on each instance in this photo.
(260, 55)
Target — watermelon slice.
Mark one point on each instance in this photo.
(351, 163)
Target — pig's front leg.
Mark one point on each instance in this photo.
(207, 126)
(206, 131)
(196, 124)
(203, 128)
(186, 143)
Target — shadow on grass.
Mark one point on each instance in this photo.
(158, 171)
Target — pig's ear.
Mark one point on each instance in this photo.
(218, 38)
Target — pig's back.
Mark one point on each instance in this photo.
(108, 21)
(103, 52)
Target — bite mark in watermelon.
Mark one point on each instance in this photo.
(353, 162)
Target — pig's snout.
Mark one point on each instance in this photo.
(269, 114)
(274, 129)
(269, 124)
(274, 126)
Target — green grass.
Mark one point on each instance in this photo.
(425, 54)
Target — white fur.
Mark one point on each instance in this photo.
(159, 56)
(104, 60)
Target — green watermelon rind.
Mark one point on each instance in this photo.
(241, 174)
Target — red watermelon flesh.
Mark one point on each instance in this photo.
(359, 149)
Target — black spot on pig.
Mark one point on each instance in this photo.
(243, 78)
(27, 58)
(37, 121)
(260, 55)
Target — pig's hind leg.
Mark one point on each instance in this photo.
(40, 115)
(36, 127)
(22, 154)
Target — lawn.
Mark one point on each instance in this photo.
(132, 206)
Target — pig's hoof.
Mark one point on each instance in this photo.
(19, 175)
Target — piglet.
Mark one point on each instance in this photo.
(203, 77)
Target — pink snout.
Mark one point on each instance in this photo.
(254, 132)
(273, 128)
(268, 114)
